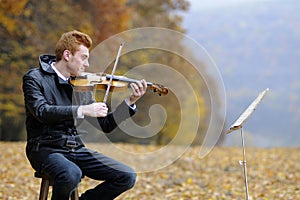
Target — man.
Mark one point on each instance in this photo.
(53, 145)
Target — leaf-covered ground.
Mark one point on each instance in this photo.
(273, 173)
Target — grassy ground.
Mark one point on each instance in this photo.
(273, 173)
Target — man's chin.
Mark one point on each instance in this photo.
(80, 73)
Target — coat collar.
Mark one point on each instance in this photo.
(45, 63)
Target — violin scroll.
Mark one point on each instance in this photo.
(158, 88)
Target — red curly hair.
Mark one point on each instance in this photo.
(71, 41)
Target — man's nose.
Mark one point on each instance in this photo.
(86, 64)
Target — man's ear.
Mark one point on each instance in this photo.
(66, 55)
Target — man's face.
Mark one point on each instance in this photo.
(79, 61)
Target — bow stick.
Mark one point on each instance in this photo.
(112, 73)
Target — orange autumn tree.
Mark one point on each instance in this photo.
(31, 27)
(13, 51)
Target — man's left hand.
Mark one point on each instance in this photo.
(138, 90)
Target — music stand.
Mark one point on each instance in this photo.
(238, 124)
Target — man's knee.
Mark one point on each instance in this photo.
(131, 180)
(70, 177)
(128, 179)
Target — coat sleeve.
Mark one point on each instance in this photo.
(37, 104)
(113, 119)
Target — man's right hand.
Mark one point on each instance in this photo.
(94, 110)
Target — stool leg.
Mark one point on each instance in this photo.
(44, 189)
(45, 184)
(75, 195)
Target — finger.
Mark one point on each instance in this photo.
(134, 88)
(101, 112)
(101, 105)
(144, 85)
(144, 82)
(139, 84)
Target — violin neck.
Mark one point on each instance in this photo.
(125, 79)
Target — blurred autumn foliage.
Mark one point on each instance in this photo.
(29, 28)
(272, 174)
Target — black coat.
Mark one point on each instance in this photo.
(51, 105)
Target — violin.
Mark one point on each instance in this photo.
(100, 81)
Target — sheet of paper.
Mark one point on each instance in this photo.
(246, 114)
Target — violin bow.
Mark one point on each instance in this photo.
(112, 73)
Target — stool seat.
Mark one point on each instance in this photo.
(46, 183)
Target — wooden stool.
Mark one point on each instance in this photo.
(46, 183)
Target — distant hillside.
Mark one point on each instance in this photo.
(256, 45)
